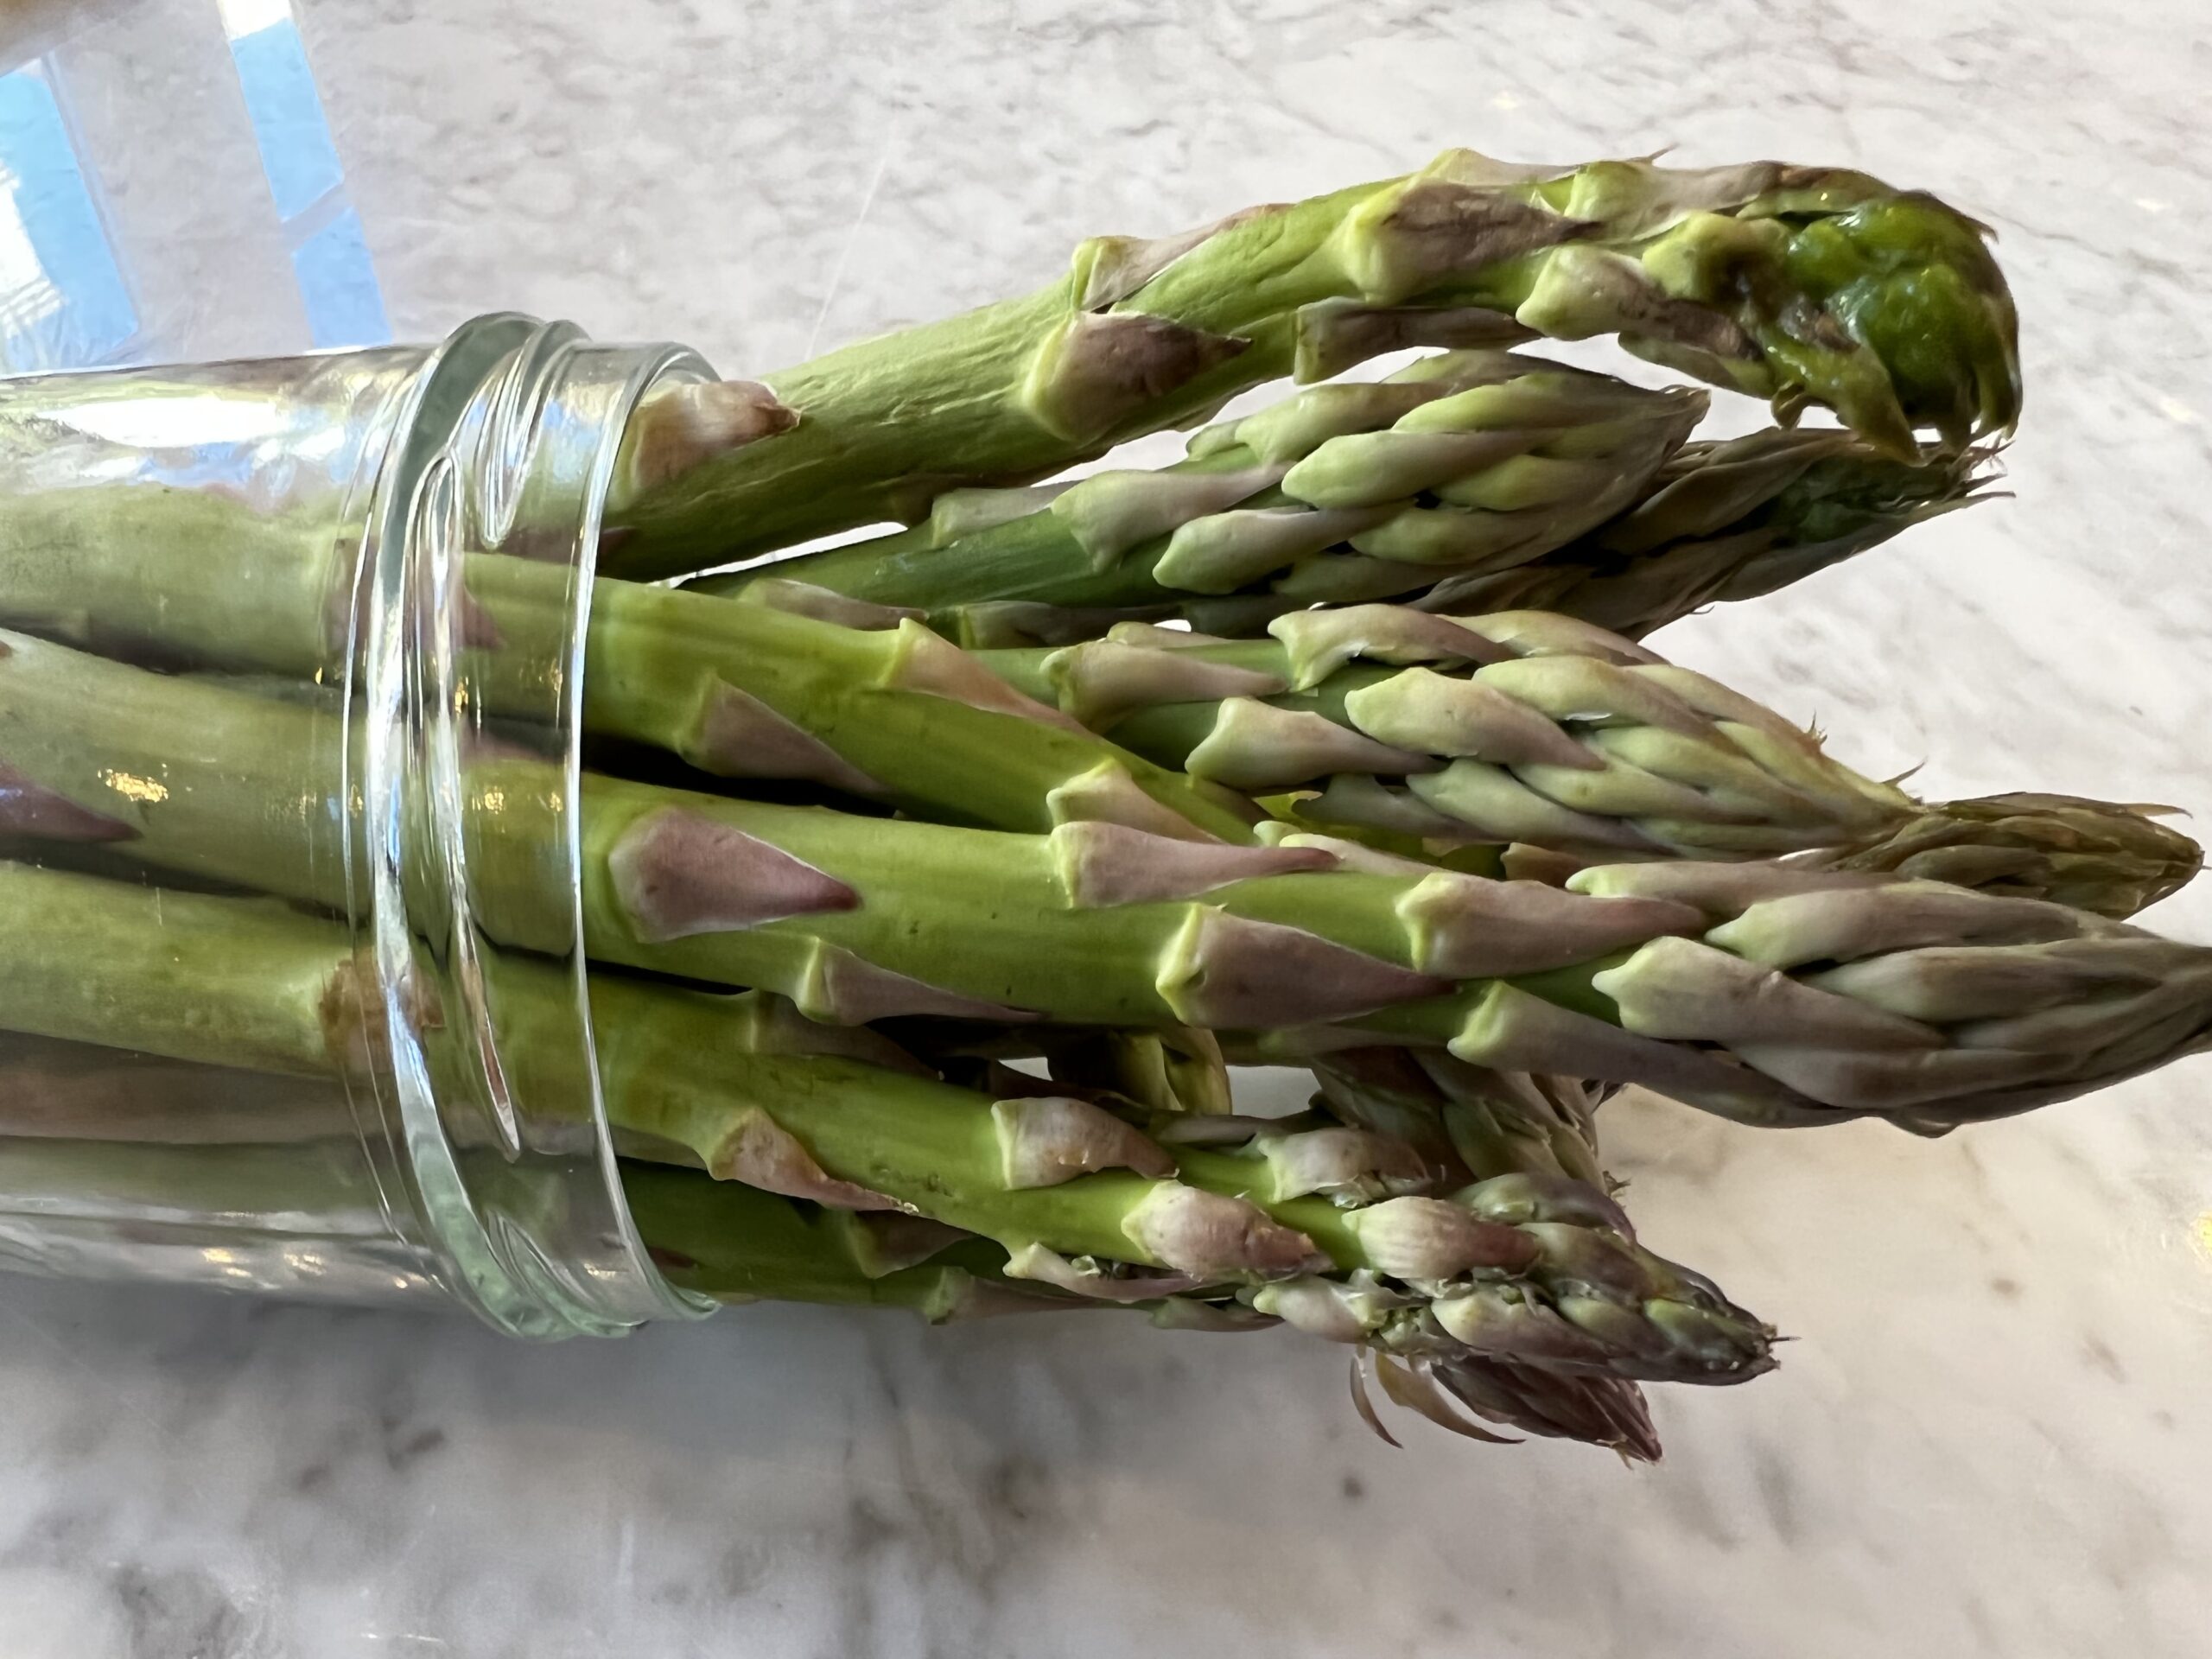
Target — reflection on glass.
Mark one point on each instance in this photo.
(339, 282)
(288, 124)
(62, 298)
(330, 254)
(68, 296)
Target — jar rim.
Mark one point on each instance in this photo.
(508, 447)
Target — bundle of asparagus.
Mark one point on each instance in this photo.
(933, 887)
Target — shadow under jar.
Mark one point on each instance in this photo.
(390, 1092)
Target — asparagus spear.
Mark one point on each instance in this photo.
(1468, 461)
(277, 1202)
(269, 1204)
(1521, 727)
(1773, 995)
(737, 1243)
(2094, 855)
(1488, 1125)
(1530, 458)
(1795, 283)
(2111, 858)
(1721, 522)
(1537, 1128)
(1534, 729)
(1727, 521)
(1333, 1226)
(897, 715)
(1467, 1119)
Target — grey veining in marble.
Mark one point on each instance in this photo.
(1992, 1437)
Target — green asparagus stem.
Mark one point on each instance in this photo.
(1469, 460)
(1799, 284)
(1170, 1069)
(682, 424)
(737, 1243)
(893, 714)
(74, 1091)
(1773, 995)
(1077, 1196)
(898, 715)
(263, 1207)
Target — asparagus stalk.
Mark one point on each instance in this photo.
(2111, 858)
(1432, 733)
(1521, 727)
(1169, 1069)
(1488, 1126)
(138, 1135)
(895, 714)
(1468, 461)
(1683, 526)
(73, 1092)
(1799, 284)
(737, 689)
(98, 1131)
(1077, 1197)
(737, 1243)
(1469, 1120)
(2094, 856)
(1722, 522)
(1773, 995)
(1727, 521)
(1539, 1129)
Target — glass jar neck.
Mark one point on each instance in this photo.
(507, 450)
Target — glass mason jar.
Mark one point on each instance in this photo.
(447, 1140)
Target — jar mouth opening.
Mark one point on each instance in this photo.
(509, 450)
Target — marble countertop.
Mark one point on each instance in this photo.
(1991, 1436)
